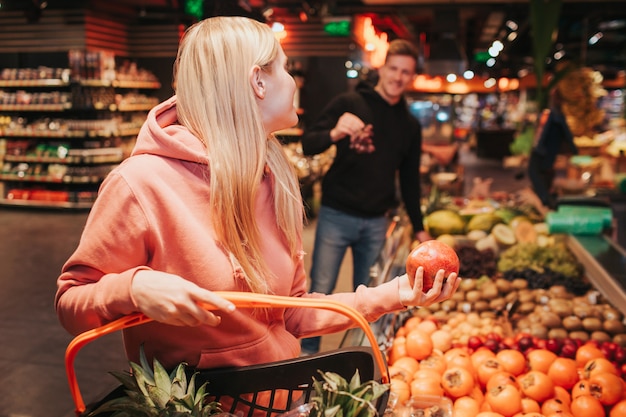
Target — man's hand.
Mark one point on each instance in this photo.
(354, 128)
(362, 141)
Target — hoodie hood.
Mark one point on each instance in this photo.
(162, 135)
(367, 89)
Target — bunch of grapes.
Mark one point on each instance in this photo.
(476, 263)
(547, 278)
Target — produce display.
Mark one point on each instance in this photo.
(526, 334)
(495, 376)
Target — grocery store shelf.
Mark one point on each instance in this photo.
(605, 266)
(35, 83)
(45, 204)
(56, 107)
(52, 179)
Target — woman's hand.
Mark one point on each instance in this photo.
(442, 289)
(170, 299)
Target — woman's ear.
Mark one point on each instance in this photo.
(256, 82)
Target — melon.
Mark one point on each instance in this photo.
(444, 221)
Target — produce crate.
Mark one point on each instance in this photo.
(274, 382)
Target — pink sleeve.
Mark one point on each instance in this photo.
(94, 285)
(372, 302)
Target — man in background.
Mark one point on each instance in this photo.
(377, 141)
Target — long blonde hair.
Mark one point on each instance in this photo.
(216, 102)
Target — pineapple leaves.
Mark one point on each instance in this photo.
(335, 397)
(179, 382)
(152, 392)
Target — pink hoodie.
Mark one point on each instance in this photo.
(152, 213)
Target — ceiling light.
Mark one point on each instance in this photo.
(277, 27)
(512, 25)
(490, 82)
(595, 38)
(612, 24)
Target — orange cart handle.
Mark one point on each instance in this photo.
(240, 299)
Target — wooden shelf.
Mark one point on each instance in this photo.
(34, 83)
(50, 179)
(45, 204)
(36, 107)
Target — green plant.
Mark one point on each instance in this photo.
(544, 20)
(335, 397)
(155, 393)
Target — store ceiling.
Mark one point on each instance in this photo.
(476, 24)
(473, 25)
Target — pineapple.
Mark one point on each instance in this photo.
(334, 397)
(155, 393)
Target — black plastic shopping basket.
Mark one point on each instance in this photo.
(293, 378)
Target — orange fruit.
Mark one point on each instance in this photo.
(619, 409)
(563, 395)
(398, 349)
(408, 363)
(587, 406)
(564, 372)
(501, 378)
(418, 344)
(598, 365)
(504, 399)
(436, 362)
(536, 385)
(606, 387)
(399, 373)
(427, 326)
(426, 373)
(540, 359)
(411, 323)
(587, 352)
(465, 407)
(400, 389)
(554, 405)
(487, 369)
(530, 406)
(426, 386)
(512, 361)
(481, 354)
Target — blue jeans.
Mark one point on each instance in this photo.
(336, 232)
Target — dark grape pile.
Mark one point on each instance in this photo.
(547, 278)
(475, 263)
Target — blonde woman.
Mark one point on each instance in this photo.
(208, 201)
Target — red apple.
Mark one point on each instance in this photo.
(474, 342)
(433, 255)
(568, 351)
(525, 342)
(554, 345)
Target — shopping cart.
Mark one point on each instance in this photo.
(241, 386)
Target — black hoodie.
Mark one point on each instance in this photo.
(363, 184)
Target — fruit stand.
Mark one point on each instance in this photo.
(541, 313)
